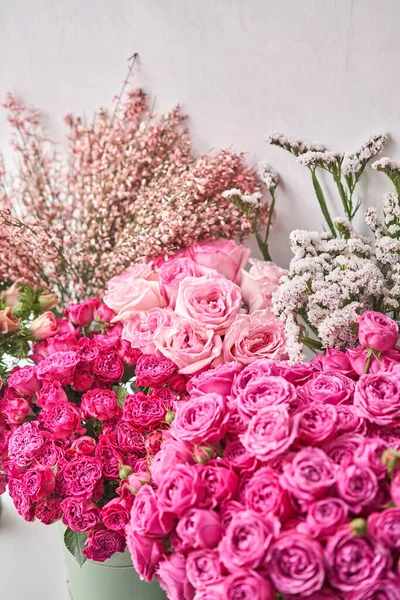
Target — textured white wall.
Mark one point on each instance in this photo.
(321, 69)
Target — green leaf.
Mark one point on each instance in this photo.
(75, 543)
(121, 393)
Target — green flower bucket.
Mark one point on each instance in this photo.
(115, 578)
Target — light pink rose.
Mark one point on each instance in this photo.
(203, 567)
(171, 453)
(324, 517)
(377, 331)
(259, 283)
(270, 432)
(224, 256)
(253, 372)
(332, 388)
(172, 272)
(310, 474)
(171, 575)
(259, 335)
(143, 326)
(334, 361)
(189, 344)
(147, 518)
(245, 584)
(218, 380)
(357, 486)
(377, 398)
(267, 390)
(136, 289)
(220, 482)
(198, 528)
(212, 300)
(44, 326)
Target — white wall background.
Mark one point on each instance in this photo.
(325, 70)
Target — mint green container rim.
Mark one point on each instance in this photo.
(114, 579)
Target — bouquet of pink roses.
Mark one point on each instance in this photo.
(280, 481)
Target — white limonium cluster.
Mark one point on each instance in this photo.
(294, 145)
(331, 281)
(246, 199)
(268, 176)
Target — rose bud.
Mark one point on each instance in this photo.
(44, 326)
(8, 323)
(47, 301)
(11, 296)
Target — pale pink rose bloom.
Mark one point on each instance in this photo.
(225, 256)
(172, 272)
(259, 335)
(143, 326)
(135, 289)
(44, 326)
(212, 300)
(189, 344)
(259, 283)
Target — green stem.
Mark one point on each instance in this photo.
(312, 344)
(270, 215)
(263, 247)
(343, 196)
(322, 202)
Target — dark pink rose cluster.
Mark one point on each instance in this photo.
(277, 480)
(72, 434)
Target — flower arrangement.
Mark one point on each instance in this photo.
(130, 190)
(106, 380)
(279, 481)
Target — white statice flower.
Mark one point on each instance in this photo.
(294, 145)
(351, 164)
(386, 163)
(268, 176)
(319, 159)
(234, 194)
(294, 346)
(228, 194)
(331, 281)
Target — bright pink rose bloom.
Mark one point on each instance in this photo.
(358, 358)
(348, 421)
(83, 378)
(341, 450)
(50, 394)
(172, 453)
(224, 256)
(259, 335)
(181, 489)
(80, 515)
(102, 543)
(109, 367)
(142, 327)
(153, 441)
(228, 510)
(82, 475)
(127, 354)
(267, 390)
(145, 552)
(62, 419)
(82, 313)
(198, 528)
(147, 518)
(264, 494)
(310, 474)
(84, 446)
(382, 589)
(324, 517)
(259, 283)
(270, 433)
(23, 504)
(317, 423)
(377, 398)
(14, 408)
(63, 342)
(357, 486)
(203, 567)
(38, 482)
(189, 344)
(49, 510)
(142, 412)
(354, 561)
(220, 481)
(134, 291)
(59, 366)
(115, 514)
(172, 272)
(100, 404)
(296, 564)
(103, 314)
(377, 331)
(395, 488)
(246, 585)
(384, 527)
(44, 326)
(24, 381)
(369, 454)
(153, 370)
(334, 361)
(203, 419)
(171, 575)
(128, 439)
(218, 380)
(297, 374)
(25, 444)
(331, 388)
(247, 540)
(212, 300)
(236, 455)
(253, 372)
